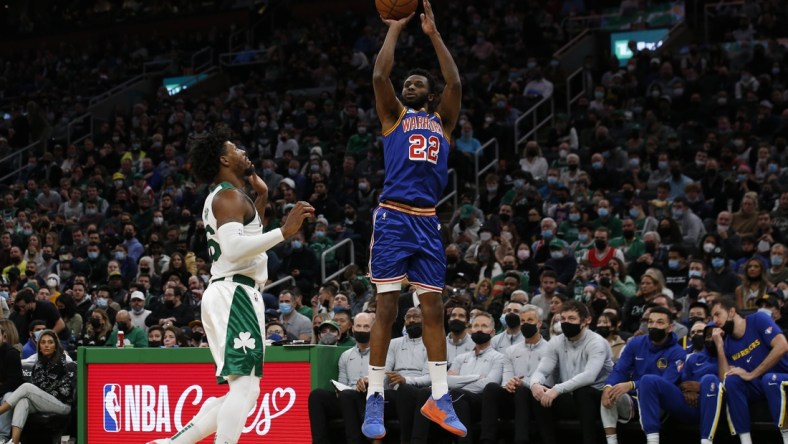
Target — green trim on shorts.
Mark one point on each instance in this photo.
(243, 349)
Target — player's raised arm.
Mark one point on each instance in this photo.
(449, 106)
(386, 102)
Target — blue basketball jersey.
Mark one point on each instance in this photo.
(415, 153)
(752, 348)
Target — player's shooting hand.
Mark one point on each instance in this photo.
(428, 19)
(398, 24)
(296, 217)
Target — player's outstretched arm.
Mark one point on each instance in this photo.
(386, 102)
(449, 106)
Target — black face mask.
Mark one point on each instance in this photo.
(727, 327)
(603, 331)
(651, 247)
(570, 330)
(413, 331)
(529, 330)
(95, 323)
(169, 304)
(572, 167)
(362, 337)
(504, 217)
(480, 337)
(606, 282)
(657, 334)
(197, 336)
(507, 267)
(452, 259)
(629, 234)
(122, 326)
(600, 244)
(154, 344)
(128, 236)
(512, 320)
(47, 256)
(456, 326)
(698, 342)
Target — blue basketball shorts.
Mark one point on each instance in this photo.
(406, 244)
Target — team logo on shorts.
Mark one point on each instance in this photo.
(712, 387)
(244, 341)
(662, 363)
(111, 408)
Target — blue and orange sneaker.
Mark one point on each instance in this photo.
(373, 427)
(442, 413)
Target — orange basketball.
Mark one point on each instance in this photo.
(396, 9)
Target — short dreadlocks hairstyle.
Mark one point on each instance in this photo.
(206, 150)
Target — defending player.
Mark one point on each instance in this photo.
(232, 307)
(406, 242)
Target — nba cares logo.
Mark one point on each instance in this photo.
(111, 408)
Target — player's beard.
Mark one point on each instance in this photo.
(418, 102)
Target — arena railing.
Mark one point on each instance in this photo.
(492, 143)
(244, 57)
(532, 115)
(147, 71)
(337, 246)
(570, 98)
(453, 195)
(202, 59)
(15, 161)
(275, 284)
(75, 125)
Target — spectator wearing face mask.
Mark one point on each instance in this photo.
(328, 333)
(97, 330)
(36, 327)
(133, 336)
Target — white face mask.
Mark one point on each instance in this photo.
(768, 311)
(484, 237)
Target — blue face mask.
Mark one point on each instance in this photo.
(297, 245)
(694, 274)
(741, 177)
(547, 234)
(292, 171)
(519, 183)
(101, 303)
(775, 259)
(596, 165)
(285, 308)
(121, 256)
(338, 309)
(678, 214)
(320, 234)
(773, 168)
(93, 254)
(4, 294)
(717, 262)
(603, 212)
(634, 163)
(274, 337)
(574, 217)
(673, 264)
(552, 180)
(662, 165)
(633, 212)
(582, 237)
(37, 334)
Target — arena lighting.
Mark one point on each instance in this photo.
(176, 85)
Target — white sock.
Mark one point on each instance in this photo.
(201, 426)
(375, 376)
(705, 441)
(745, 438)
(785, 435)
(440, 383)
(244, 391)
(612, 439)
(652, 438)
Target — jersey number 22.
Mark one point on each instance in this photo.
(423, 148)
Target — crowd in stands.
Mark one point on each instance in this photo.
(665, 186)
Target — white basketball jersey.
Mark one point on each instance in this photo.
(255, 267)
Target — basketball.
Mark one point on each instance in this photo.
(395, 9)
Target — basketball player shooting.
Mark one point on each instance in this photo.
(406, 241)
(232, 308)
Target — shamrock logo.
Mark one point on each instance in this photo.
(244, 340)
